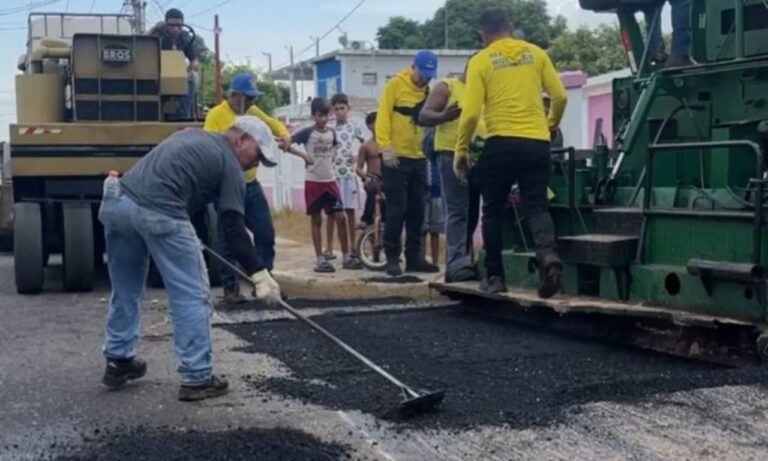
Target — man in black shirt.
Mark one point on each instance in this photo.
(174, 37)
(150, 215)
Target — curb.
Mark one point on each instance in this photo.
(308, 287)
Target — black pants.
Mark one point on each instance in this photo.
(473, 213)
(505, 161)
(405, 188)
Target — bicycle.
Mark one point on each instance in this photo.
(370, 243)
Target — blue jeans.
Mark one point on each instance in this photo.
(187, 102)
(258, 220)
(133, 234)
(681, 29)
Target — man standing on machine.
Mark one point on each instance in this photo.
(242, 96)
(174, 37)
(505, 82)
(405, 168)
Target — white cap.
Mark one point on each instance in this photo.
(261, 133)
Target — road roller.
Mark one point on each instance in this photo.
(661, 226)
(93, 96)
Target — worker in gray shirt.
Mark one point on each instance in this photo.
(148, 213)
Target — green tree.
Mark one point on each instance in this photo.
(401, 33)
(594, 51)
(528, 16)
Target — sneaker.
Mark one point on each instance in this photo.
(324, 267)
(232, 295)
(352, 263)
(465, 274)
(215, 387)
(329, 256)
(549, 280)
(120, 371)
(493, 285)
(421, 266)
(393, 269)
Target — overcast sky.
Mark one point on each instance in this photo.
(250, 27)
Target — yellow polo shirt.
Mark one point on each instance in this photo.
(222, 117)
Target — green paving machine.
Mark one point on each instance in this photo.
(662, 228)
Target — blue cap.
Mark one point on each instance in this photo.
(426, 62)
(243, 84)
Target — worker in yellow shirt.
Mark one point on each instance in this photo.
(404, 175)
(442, 110)
(242, 95)
(504, 84)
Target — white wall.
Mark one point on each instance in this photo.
(353, 68)
(573, 123)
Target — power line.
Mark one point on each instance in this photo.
(208, 9)
(93, 2)
(28, 7)
(330, 31)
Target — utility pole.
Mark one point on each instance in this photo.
(292, 73)
(217, 57)
(317, 45)
(139, 9)
(269, 61)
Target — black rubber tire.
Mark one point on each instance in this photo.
(365, 240)
(28, 248)
(78, 257)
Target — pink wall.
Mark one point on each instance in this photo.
(600, 106)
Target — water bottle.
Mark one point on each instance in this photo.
(112, 186)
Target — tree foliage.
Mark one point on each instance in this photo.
(401, 33)
(594, 51)
(275, 94)
(528, 16)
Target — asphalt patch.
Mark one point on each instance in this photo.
(165, 444)
(302, 303)
(495, 372)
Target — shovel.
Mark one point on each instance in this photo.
(414, 403)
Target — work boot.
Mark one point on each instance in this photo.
(493, 285)
(549, 280)
(679, 61)
(215, 387)
(393, 269)
(421, 265)
(232, 295)
(120, 371)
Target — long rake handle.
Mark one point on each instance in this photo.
(328, 335)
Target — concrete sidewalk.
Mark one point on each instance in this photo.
(294, 271)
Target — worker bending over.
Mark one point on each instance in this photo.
(504, 83)
(150, 216)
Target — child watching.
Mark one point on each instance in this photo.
(321, 192)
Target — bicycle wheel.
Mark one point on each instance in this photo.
(371, 252)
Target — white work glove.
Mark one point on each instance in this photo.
(389, 158)
(265, 288)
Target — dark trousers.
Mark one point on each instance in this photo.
(473, 211)
(405, 188)
(507, 160)
(258, 220)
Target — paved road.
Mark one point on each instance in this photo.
(54, 408)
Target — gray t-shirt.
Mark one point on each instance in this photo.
(182, 174)
(321, 147)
